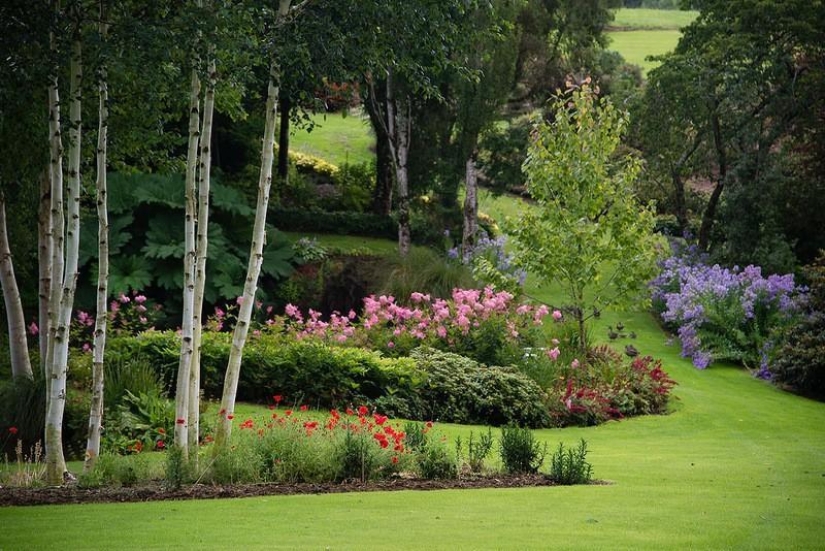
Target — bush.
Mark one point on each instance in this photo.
(520, 452)
(317, 220)
(435, 462)
(459, 390)
(570, 466)
(723, 314)
(800, 360)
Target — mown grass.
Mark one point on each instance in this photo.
(336, 138)
(642, 18)
(640, 33)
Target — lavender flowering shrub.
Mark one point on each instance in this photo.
(725, 314)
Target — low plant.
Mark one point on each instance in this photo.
(520, 452)
(570, 466)
(477, 449)
(436, 462)
(27, 470)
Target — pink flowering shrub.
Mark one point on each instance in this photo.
(487, 326)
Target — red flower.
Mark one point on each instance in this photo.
(304, 407)
(222, 412)
(12, 430)
(379, 419)
(288, 412)
(230, 416)
(180, 421)
(362, 410)
(248, 424)
(350, 412)
(161, 431)
(334, 413)
(384, 443)
(160, 444)
(394, 459)
(278, 398)
(311, 425)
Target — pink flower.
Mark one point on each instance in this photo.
(239, 300)
(114, 306)
(553, 354)
(574, 364)
(124, 299)
(33, 329)
(390, 344)
(86, 347)
(557, 315)
(140, 299)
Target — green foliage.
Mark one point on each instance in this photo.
(117, 470)
(800, 359)
(589, 233)
(478, 449)
(458, 389)
(177, 469)
(145, 212)
(140, 421)
(570, 466)
(317, 220)
(426, 271)
(436, 462)
(521, 452)
(122, 374)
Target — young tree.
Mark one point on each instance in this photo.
(233, 368)
(18, 345)
(101, 317)
(588, 233)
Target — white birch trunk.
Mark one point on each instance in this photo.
(233, 369)
(96, 409)
(18, 345)
(55, 461)
(44, 266)
(56, 226)
(468, 239)
(184, 368)
(204, 180)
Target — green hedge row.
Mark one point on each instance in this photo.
(428, 385)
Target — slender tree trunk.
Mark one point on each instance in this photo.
(96, 408)
(384, 172)
(55, 461)
(468, 239)
(44, 265)
(187, 323)
(233, 369)
(204, 183)
(20, 363)
(283, 140)
(709, 215)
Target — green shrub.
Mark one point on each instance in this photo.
(800, 360)
(177, 471)
(459, 390)
(477, 449)
(119, 470)
(436, 462)
(570, 466)
(316, 220)
(520, 452)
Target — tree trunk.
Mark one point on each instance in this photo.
(44, 266)
(382, 194)
(18, 346)
(187, 322)
(709, 215)
(398, 130)
(96, 409)
(204, 184)
(233, 369)
(468, 239)
(283, 141)
(55, 461)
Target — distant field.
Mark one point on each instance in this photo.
(639, 33)
(652, 19)
(336, 139)
(636, 46)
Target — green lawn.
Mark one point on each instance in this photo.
(636, 46)
(336, 139)
(738, 464)
(640, 18)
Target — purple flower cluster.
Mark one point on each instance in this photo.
(493, 250)
(723, 313)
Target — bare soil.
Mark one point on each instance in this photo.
(59, 495)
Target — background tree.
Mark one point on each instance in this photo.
(588, 232)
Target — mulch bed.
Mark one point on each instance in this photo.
(58, 495)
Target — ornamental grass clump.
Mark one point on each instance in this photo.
(725, 314)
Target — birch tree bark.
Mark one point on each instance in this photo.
(201, 247)
(233, 368)
(96, 409)
(187, 324)
(20, 362)
(55, 461)
(44, 266)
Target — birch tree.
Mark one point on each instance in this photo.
(233, 368)
(63, 294)
(18, 345)
(99, 345)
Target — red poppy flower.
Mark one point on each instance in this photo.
(304, 407)
(394, 459)
(161, 431)
(350, 412)
(379, 419)
(288, 412)
(278, 398)
(160, 444)
(362, 410)
(12, 430)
